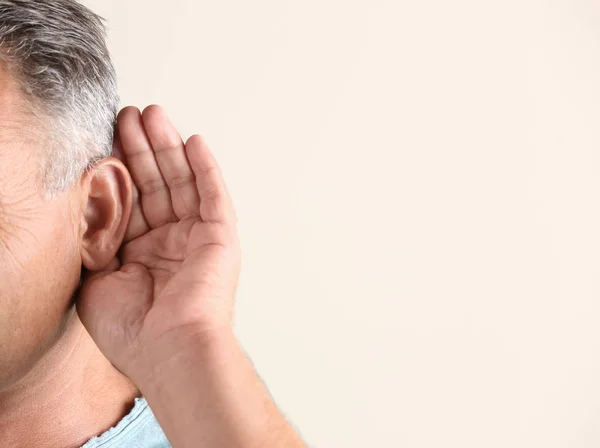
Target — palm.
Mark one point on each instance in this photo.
(180, 260)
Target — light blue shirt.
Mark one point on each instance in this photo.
(138, 429)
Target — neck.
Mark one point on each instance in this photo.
(71, 395)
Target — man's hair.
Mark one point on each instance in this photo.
(56, 50)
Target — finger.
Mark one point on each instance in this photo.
(137, 223)
(155, 196)
(87, 278)
(169, 151)
(215, 202)
(118, 147)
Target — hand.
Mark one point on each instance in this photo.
(177, 271)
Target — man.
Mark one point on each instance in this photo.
(152, 230)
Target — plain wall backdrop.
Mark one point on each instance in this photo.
(418, 189)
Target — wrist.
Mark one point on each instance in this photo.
(207, 387)
(175, 352)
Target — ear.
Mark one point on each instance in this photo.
(106, 212)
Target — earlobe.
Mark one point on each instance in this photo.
(106, 213)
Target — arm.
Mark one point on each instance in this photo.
(208, 391)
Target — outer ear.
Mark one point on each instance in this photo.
(106, 213)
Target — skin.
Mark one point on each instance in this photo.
(155, 230)
(54, 381)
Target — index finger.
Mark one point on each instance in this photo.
(138, 225)
(215, 203)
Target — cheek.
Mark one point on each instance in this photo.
(36, 241)
(39, 271)
(52, 264)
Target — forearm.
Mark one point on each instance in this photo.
(210, 396)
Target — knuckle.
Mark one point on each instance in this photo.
(213, 193)
(223, 235)
(181, 181)
(169, 143)
(211, 172)
(151, 186)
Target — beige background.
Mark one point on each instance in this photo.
(418, 186)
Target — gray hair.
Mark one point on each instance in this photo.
(57, 52)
